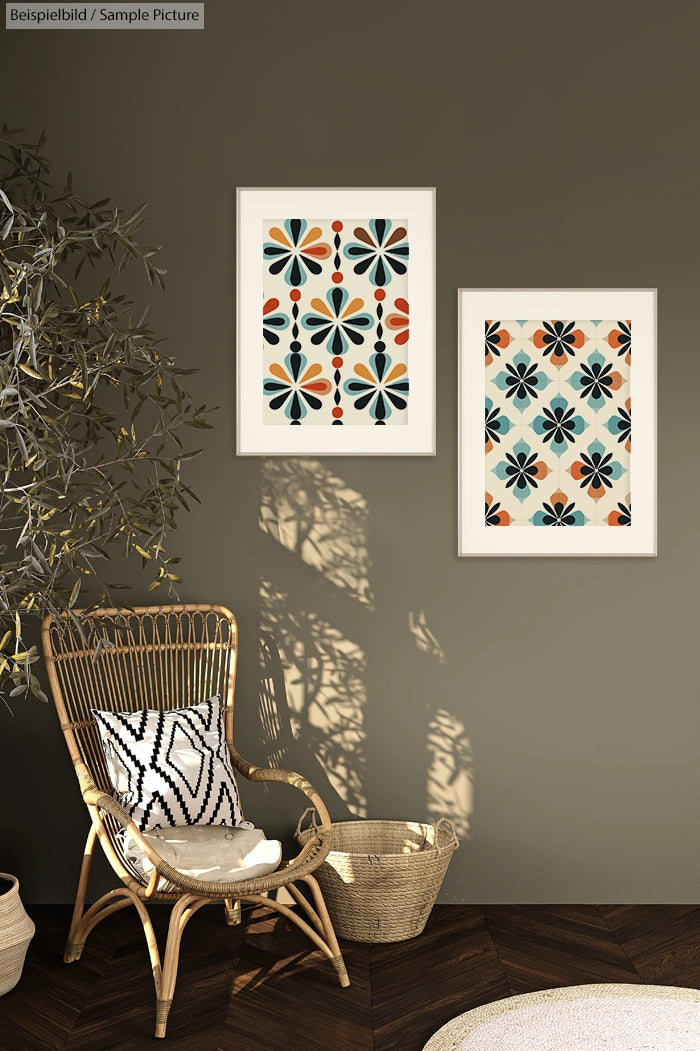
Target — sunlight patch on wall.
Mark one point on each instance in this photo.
(324, 679)
(423, 636)
(310, 511)
(450, 771)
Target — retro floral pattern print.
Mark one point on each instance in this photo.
(557, 407)
(335, 322)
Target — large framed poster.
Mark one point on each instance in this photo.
(548, 463)
(336, 322)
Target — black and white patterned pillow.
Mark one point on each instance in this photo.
(171, 768)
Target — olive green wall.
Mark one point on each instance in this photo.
(563, 142)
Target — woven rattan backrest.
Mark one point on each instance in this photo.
(124, 661)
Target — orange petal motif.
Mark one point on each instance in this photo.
(401, 304)
(279, 372)
(596, 494)
(504, 518)
(363, 372)
(558, 362)
(320, 307)
(401, 338)
(313, 235)
(579, 338)
(398, 370)
(313, 370)
(271, 305)
(279, 235)
(615, 380)
(318, 386)
(488, 447)
(318, 251)
(614, 518)
(576, 470)
(353, 306)
(542, 469)
(538, 338)
(559, 498)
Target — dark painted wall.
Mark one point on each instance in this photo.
(563, 142)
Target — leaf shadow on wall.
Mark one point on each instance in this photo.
(353, 689)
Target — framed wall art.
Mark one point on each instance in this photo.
(549, 461)
(336, 322)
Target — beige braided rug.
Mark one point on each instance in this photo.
(580, 1018)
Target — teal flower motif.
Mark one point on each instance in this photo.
(521, 380)
(521, 470)
(558, 424)
(337, 323)
(596, 380)
(496, 425)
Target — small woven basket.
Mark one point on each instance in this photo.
(381, 878)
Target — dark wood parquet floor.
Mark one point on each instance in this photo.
(257, 988)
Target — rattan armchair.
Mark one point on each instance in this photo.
(163, 658)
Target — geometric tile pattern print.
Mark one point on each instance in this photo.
(558, 419)
(171, 768)
(335, 322)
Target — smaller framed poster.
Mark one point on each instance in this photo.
(549, 462)
(336, 322)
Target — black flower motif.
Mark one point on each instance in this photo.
(497, 339)
(622, 517)
(521, 470)
(595, 380)
(559, 424)
(522, 379)
(559, 514)
(558, 339)
(624, 424)
(595, 470)
(496, 424)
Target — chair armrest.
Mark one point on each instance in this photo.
(95, 798)
(285, 777)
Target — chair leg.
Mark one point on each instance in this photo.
(322, 911)
(233, 912)
(183, 911)
(76, 943)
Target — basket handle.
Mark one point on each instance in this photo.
(446, 825)
(313, 825)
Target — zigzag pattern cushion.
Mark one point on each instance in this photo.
(171, 768)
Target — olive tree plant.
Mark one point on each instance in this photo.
(91, 410)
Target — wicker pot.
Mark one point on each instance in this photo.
(381, 878)
(16, 932)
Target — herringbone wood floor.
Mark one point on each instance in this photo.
(257, 988)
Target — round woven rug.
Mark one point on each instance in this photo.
(580, 1018)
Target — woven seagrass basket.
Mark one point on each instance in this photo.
(16, 932)
(381, 878)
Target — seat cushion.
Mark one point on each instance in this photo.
(214, 853)
(171, 768)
